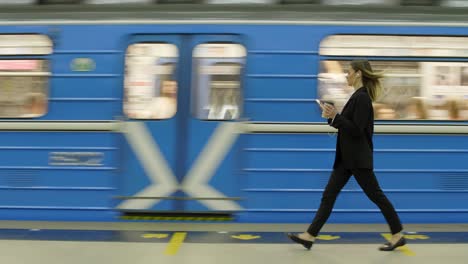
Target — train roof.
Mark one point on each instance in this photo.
(233, 14)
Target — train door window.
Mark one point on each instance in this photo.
(150, 88)
(415, 85)
(24, 81)
(217, 81)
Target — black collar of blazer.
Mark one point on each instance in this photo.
(360, 90)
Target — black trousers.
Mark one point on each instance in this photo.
(368, 182)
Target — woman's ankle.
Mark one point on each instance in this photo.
(396, 237)
(307, 236)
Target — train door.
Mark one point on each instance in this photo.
(181, 102)
(213, 145)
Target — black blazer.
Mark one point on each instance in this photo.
(355, 124)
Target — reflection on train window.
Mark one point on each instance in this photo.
(412, 89)
(150, 89)
(24, 82)
(217, 81)
(23, 88)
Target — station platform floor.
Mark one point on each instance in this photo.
(210, 243)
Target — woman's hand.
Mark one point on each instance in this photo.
(328, 111)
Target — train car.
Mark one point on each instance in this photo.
(152, 111)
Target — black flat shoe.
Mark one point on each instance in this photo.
(389, 247)
(307, 244)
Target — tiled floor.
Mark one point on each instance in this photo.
(45, 242)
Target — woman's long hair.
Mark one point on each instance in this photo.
(370, 79)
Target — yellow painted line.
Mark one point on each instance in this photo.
(405, 249)
(175, 243)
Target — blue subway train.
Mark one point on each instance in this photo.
(105, 114)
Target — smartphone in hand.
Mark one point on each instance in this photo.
(322, 102)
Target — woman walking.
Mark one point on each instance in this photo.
(354, 155)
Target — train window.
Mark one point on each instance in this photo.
(413, 88)
(24, 82)
(150, 89)
(394, 46)
(27, 44)
(217, 81)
